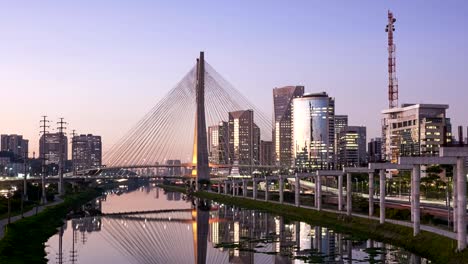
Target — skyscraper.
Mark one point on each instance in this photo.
(218, 143)
(86, 152)
(49, 145)
(15, 144)
(341, 122)
(313, 131)
(282, 138)
(414, 130)
(244, 138)
(352, 147)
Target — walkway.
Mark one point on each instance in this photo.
(4, 222)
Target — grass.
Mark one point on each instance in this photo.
(436, 248)
(24, 240)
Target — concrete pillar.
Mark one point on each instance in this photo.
(415, 182)
(382, 196)
(318, 195)
(281, 189)
(244, 187)
(297, 190)
(254, 187)
(455, 228)
(349, 191)
(266, 189)
(340, 192)
(371, 194)
(226, 187)
(461, 203)
(233, 188)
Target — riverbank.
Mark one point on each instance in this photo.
(24, 240)
(435, 247)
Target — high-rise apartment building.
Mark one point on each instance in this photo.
(414, 130)
(244, 138)
(374, 150)
(15, 144)
(267, 153)
(282, 127)
(313, 131)
(352, 147)
(49, 148)
(218, 143)
(86, 152)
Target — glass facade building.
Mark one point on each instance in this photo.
(313, 131)
(244, 138)
(282, 123)
(352, 147)
(218, 143)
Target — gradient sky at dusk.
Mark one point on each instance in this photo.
(103, 64)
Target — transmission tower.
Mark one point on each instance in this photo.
(392, 79)
(62, 147)
(44, 126)
(73, 152)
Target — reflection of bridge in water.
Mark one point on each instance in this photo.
(191, 235)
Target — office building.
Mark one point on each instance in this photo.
(16, 144)
(50, 149)
(414, 130)
(282, 138)
(374, 150)
(352, 147)
(218, 143)
(267, 153)
(86, 152)
(313, 131)
(341, 122)
(244, 138)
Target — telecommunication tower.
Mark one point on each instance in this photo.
(392, 79)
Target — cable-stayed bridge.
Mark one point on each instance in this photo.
(176, 127)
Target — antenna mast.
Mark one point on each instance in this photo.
(392, 80)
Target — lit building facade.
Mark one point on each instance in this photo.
(49, 148)
(414, 130)
(218, 143)
(282, 124)
(352, 147)
(86, 152)
(244, 138)
(313, 131)
(15, 144)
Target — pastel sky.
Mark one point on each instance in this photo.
(103, 64)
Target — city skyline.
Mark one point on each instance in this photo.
(108, 81)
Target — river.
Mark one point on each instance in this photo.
(163, 227)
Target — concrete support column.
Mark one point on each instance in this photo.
(244, 187)
(297, 190)
(219, 187)
(455, 228)
(318, 195)
(226, 187)
(371, 194)
(254, 187)
(415, 196)
(382, 196)
(281, 189)
(233, 188)
(340, 192)
(349, 204)
(266, 189)
(461, 203)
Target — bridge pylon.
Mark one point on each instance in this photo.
(200, 145)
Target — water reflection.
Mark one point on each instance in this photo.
(165, 227)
